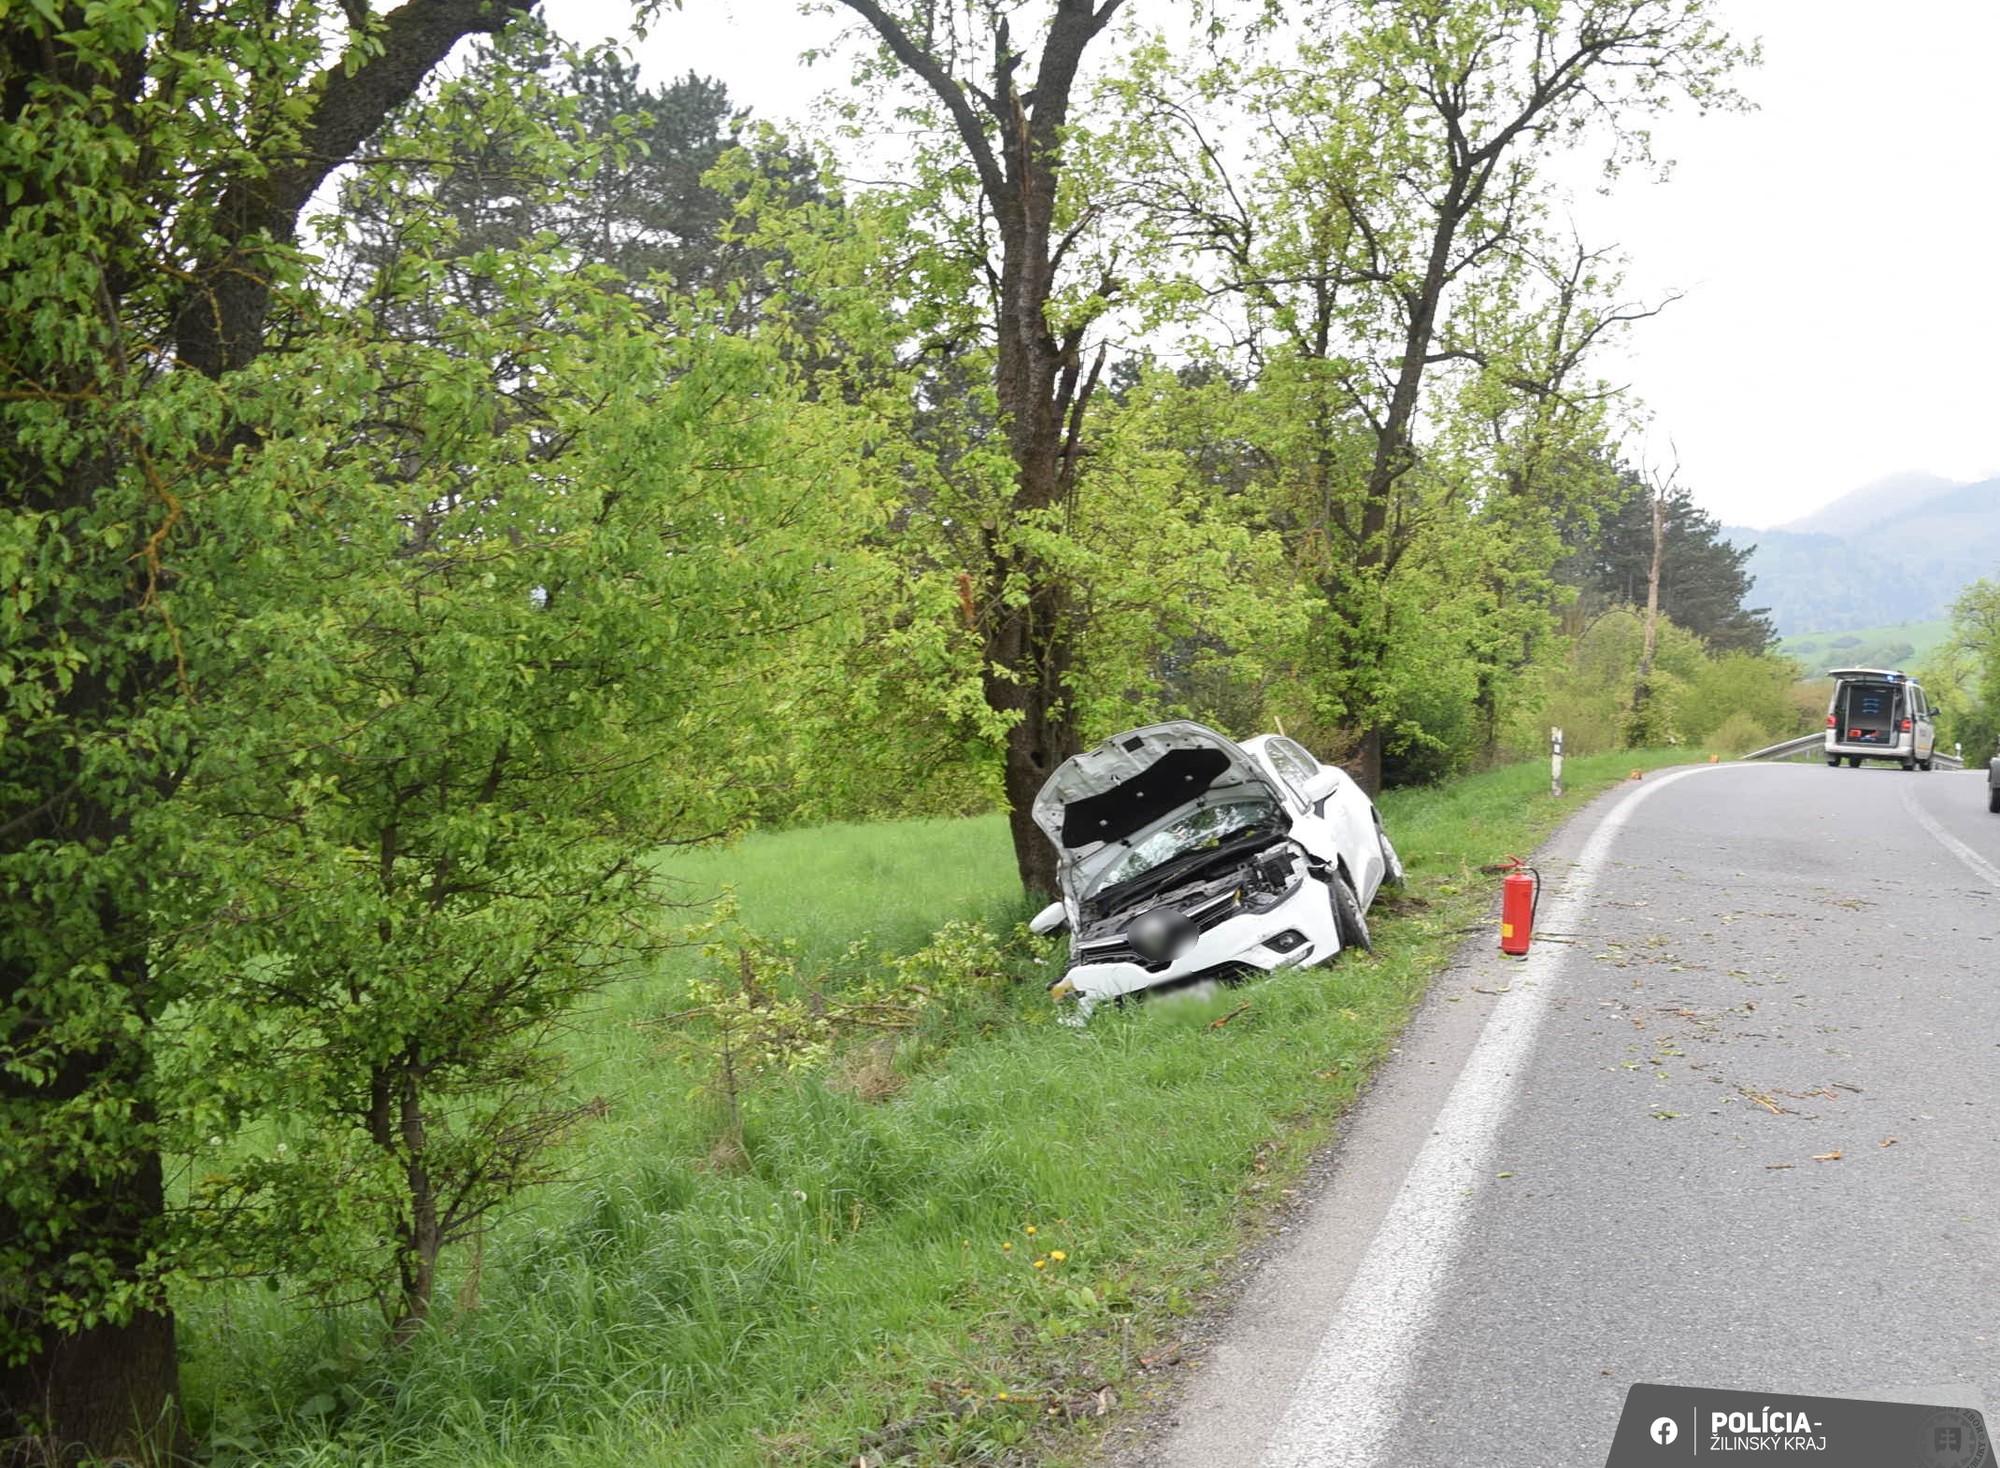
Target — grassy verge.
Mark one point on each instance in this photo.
(968, 1258)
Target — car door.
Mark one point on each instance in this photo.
(1925, 725)
(1340, 803)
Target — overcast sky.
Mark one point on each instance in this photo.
(1834, 249)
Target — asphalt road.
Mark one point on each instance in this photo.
(1732, 1124)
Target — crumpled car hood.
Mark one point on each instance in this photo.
(1106, 799)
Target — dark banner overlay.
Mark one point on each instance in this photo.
(1671, 1425)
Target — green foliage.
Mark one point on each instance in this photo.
(1185, 599)
(1963, 676)
(750, 1013)
(1703, 583)
(1731, 702)
(376, 667)
(1749, 695)
(538, 145)
(1424, 408)
(124, 131)
(512, 669)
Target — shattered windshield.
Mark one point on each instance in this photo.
(1192, 832)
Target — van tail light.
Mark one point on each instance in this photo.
(1829, 722)
(1906, 726)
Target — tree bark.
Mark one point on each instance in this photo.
(109, 1390)
(422, 1239)
(1041, 387)
(1642, 686)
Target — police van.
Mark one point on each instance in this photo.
(1879, 713)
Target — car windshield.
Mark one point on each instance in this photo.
(1194, 831)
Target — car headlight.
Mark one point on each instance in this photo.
(1273, 877)
(1162, 933)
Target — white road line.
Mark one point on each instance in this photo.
(1343, 1409)
(1981, 867)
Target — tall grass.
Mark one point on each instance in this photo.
(953, 1274)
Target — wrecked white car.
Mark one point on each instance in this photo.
(1187, 858)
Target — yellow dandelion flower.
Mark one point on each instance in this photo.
(1057, 1255)
(1008, 1245)
(1001, 1398)
(1030, 1230)
(1041, 1264)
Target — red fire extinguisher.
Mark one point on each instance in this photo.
(1520, 895)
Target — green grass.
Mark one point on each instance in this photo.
(1872, 647)
(868, 1283)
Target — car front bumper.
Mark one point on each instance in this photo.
(1236, 948)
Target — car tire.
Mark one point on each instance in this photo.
(1393, 874)
(1833, 762)
(1854, 762)
(1909, 766)
(1348, 920)
(1993, 798)
(1924, 764)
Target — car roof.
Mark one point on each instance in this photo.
(1887, 675)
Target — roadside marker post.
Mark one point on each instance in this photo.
(1556, 762)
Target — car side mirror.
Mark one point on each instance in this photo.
(1322, 784)
(1051, 919)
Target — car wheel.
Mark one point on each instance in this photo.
(1833, 762)
(1923, 764)
(1993, 798)
(1392, 864)
(1909, 766)
(1854, 762)
(1348, 920)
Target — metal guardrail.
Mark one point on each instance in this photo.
(1814, 743)
(1788, 749)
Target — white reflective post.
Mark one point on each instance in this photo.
(1555, 762)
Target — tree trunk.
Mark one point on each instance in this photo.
(109, 1390)
(422, 1240)
(1040, 387)
(1029, 645)
(89, 1138)
(1366, 763)
(1639, 732)
(1042, 738)
(1395, 456)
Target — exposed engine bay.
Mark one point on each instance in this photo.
(1252, 873)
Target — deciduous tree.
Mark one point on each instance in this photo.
(1390, 242)
(1703, 586)
(154, 160)
(1007, 150)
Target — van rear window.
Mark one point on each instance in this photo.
(1871, 700)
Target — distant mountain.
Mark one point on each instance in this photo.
(1898, 550)
(1872, 503)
